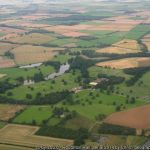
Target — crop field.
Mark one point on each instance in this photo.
(129, 44)
(8, 111)
(25, 136)
(6, 63)
(8, 147)
(147, 45)
(146, 41)
(134, 118)
(74, 34)
(28, 54)
(126, 63)
(117, 50)
(4, 47)
(67, 67)
(64, 42)
(33, 38)
(8, 30)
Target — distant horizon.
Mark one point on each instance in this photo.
(11, 2)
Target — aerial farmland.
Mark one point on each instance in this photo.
(74, 73)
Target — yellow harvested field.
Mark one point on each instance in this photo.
(23, 135)
(34, 38)
(128, 44)
(123, 47)
(126, 63)
(11, 147)
(147, 45)
(31, 25)
(6, 63)
(4, 47)
(74, 34)
(135, 118)
(113, 27)
(8, 111)
(116, 50)
(147, 36)
(62, 29)
(28, 54)
(8, 30)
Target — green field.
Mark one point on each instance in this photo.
(36, 113)
(104, 40)
(141, 91)
(46, 87)
(138, 32)
(98, 103)
(73, 104)
(28, 72)
(94, 71)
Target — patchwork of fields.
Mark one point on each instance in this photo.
(68, 68)
(25, 137)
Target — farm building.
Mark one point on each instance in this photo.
(98, 81)
(76, 89)
(28, 82)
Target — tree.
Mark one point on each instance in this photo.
(28, 96)
(33, 122)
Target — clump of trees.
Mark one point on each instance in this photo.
(109, 85)
(137, 73)
(9, 55)
(81, 64)
(60, 132)
(55, 64)
(6, 85)
(116, 129)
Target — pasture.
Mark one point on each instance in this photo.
(34, 113)
(141, 91)
(95, 70)
(46, 87)
(138, 32)
(126, 63)
(90, 105)
(103, 40)
(25, 73)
